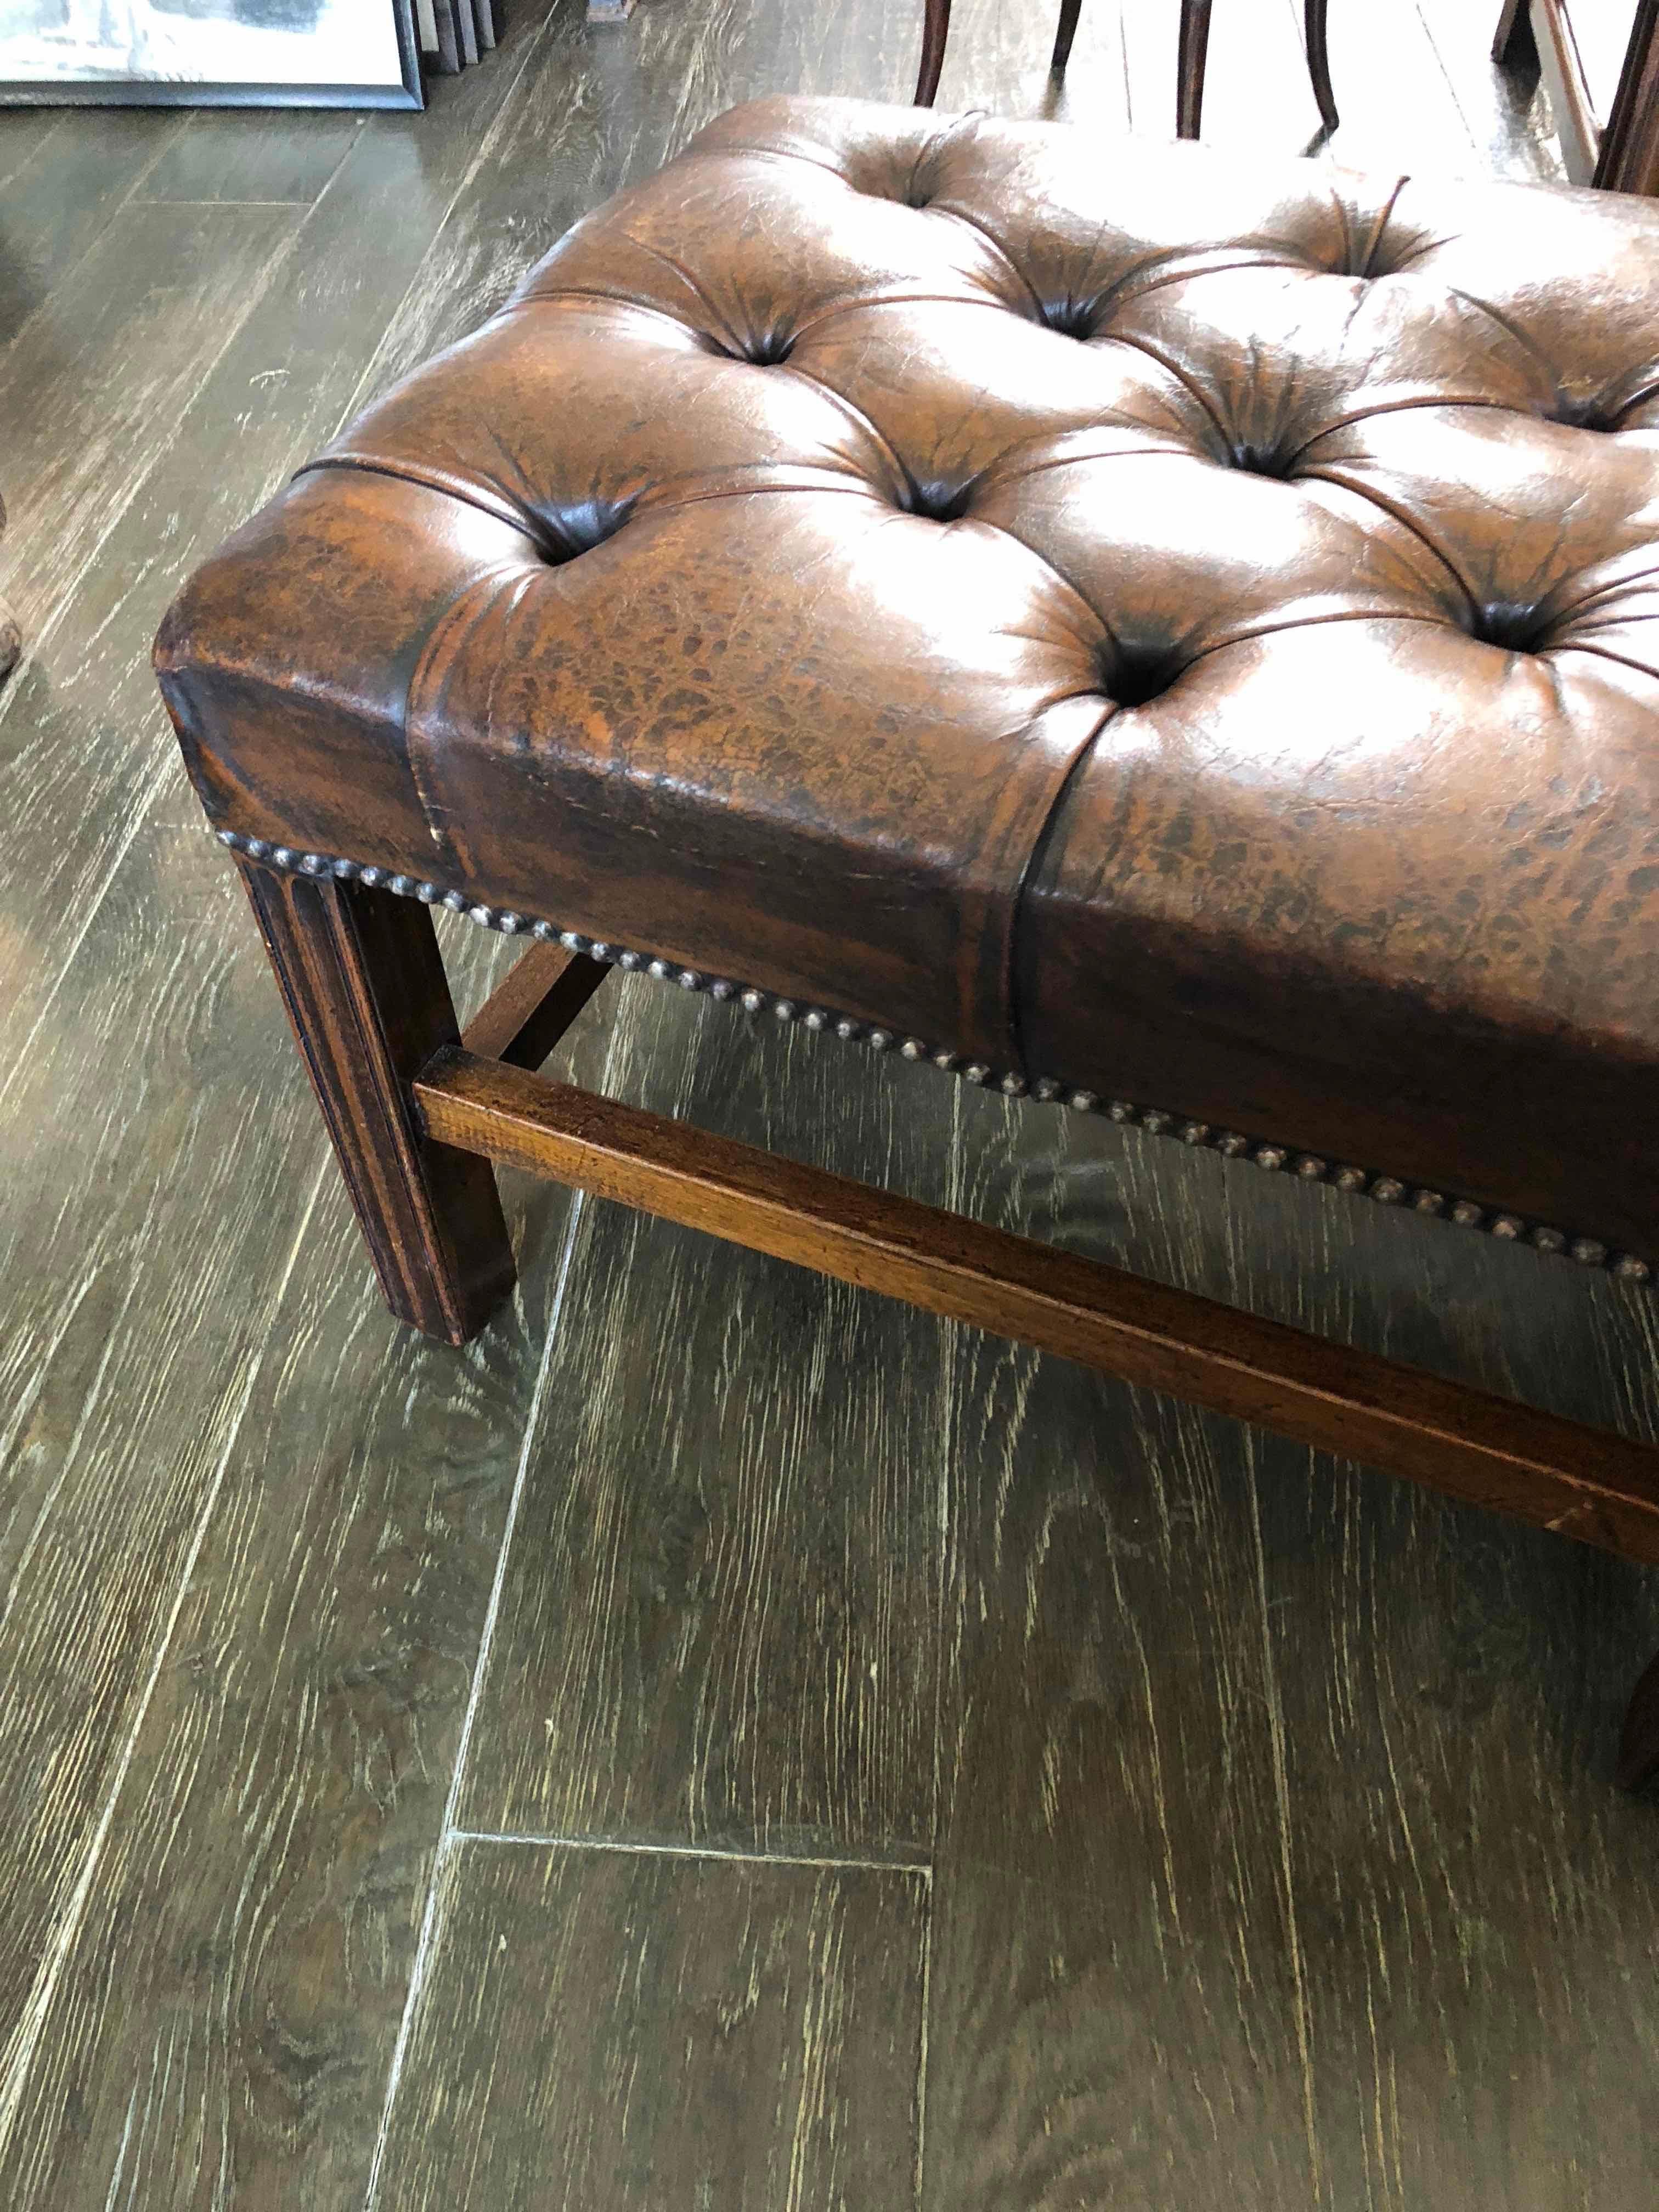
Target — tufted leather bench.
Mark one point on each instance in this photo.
(1176, 638)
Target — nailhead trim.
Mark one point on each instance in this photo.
(1046, 1090)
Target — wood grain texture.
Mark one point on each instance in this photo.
(1261, 1877)
(155, 1241)
(618, 2031)
(142, 1252)
(60, 190)
(145, 1236)
(23, 131)
(717, 1621)
(92, 387)
(221, 2036)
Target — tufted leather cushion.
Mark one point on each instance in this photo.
(1187, 629)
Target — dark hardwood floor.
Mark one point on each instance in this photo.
(723, 1740)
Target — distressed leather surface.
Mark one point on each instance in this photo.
(1186, 628)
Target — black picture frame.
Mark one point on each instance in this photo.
(155, 92)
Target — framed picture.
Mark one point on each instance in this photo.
(219, 53)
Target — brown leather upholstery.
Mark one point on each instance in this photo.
(1186, 628)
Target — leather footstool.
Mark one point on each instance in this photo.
(1171, 638)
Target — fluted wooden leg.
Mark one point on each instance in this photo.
(1189, 68)
(1638, 1749)
(936, 29)
(364, 985)
(1065, 31)
(1319, 61)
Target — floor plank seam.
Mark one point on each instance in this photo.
(231, 204)
(922, 2042)
(130, 197)
(448, 1832)
(726, 1853)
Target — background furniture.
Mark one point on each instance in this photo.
(1194, 47)
(1194, 51)
(1603, 88)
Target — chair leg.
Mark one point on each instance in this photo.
(364, 985)
(1513, 37)
(1638, 1749)
(1065, 32)
(1189, 71)
(936, 29)
(1319, 61)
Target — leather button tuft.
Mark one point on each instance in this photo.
(1133, 678)
(1580, 415)
(770, 351)
(1255, 462)
(1514, 629)
(1072, 319)
(941, 502)
(571, 531)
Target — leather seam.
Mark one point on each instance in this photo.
(463, 608)
(431, 480)
(1017, 903)
(1378, 228)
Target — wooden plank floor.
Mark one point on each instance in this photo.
(722, 1739)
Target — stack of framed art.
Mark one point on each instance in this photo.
(250, 53)
(454, 33)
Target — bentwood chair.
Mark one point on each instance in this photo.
(1194, 47)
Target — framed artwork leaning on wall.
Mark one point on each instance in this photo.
(246, 53)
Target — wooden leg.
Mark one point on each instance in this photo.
(364, 986)
(1513, 37)
(1587, 1483)
(1319, 61)
(1067, 31)
(936, 29)
(1628, 160)
(1639, 1747)
(527, 1015)
(1189, 68)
